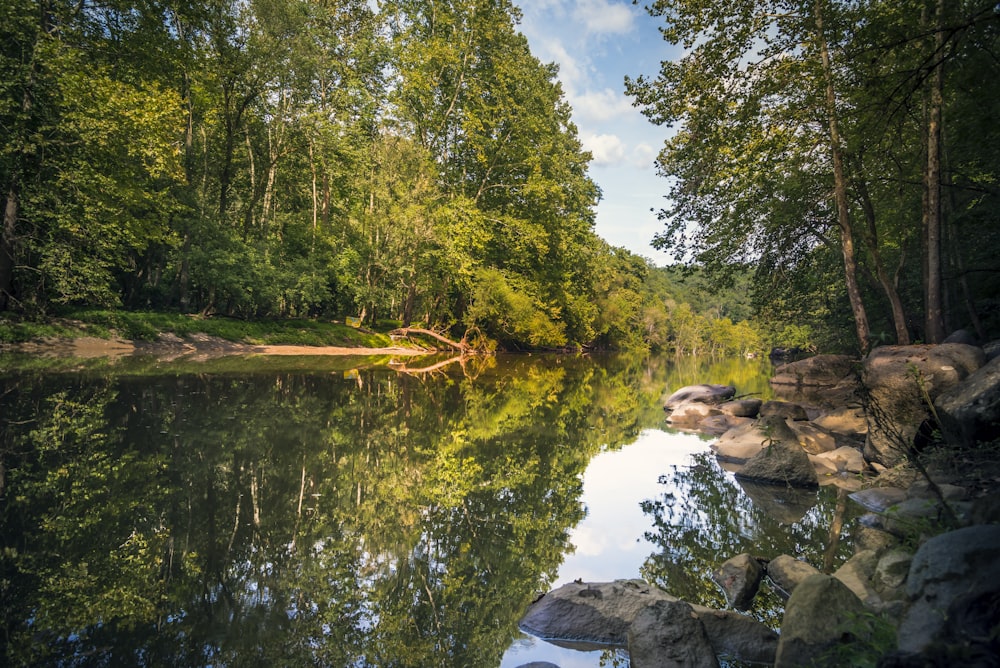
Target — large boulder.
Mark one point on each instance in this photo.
(846, 421)
(823, 624)
(786, 573)
(900, 382)
(782, 460)
(740, 444)
(601, 613)
(699, 394)
(744, 408)
(816, 371)
(950, 571)
(812, 438)
(970, 411)
(783, 409)
(668, 634)
(596, 612)
(844, 459)
(739, 578)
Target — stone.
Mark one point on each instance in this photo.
(703, 394)
(857, 574)
(692, 412)
(892, 569)
(962, 336)
(879, 499)
(845, 459)
(970, 411)
(946, 568)
(822, 616)
(740, 444)
(717, 425)
(816, 371)
(901, 381)
(746, 408)
(600, 613)
(782, 461)
(739, 578)
(813, 438)
(869, 538)
(783, 409)
(849, 422)
(786, 505)
(786, 573)
(668, 634)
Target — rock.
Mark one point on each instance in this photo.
(736, 635)
(869, 538)
(717, 425)
(845, 460)
(785, 504)
(747, 408)
(816, 371)
(598, 612)
(824, 468)
(900, 381)
(739, 578)
(782, 461)
(783, 409)
(849, 422)
(822, 616)
(945, 569)
(962, 336)
(879, 499)
(892, 569)
(970, 411)
(857, 574)
(786, 573)
(602, 612)
(992, 349)
(699, 394)
(692, 412)
(668, 634)
(812, 438)
(740, 444)
(538, 664)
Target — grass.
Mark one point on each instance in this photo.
(149, 325)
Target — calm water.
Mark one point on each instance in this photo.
(318, 511)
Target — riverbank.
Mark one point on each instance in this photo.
(113, 334)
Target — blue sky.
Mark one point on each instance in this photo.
(596, 43)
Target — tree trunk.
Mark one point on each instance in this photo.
(933, 309)
(840, 193)
(887, 282)
(7, 240)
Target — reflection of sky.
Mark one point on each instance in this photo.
(609, 541)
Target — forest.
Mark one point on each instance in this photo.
(832, 182)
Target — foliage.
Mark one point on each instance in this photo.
(806, 152)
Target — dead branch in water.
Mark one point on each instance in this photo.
(407, 331)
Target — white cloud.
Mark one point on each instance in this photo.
(601, 105)
(602, 17)
(607, 149)
(643, 156)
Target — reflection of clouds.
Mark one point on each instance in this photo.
(609, 541)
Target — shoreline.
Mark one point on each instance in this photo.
(198, 346)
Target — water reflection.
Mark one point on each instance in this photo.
(318, 511)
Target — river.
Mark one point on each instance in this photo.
(344, 512)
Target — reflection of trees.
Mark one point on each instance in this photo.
(290, 517)
(704, 517)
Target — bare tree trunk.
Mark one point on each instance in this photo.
(887, 282)
(840, 193)
(933, 310)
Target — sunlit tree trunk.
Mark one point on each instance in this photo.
(840, 192)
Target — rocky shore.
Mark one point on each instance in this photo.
(913, 434)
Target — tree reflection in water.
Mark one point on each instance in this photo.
(705, 516)
(300, 512)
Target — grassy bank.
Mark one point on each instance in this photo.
(149, 325)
